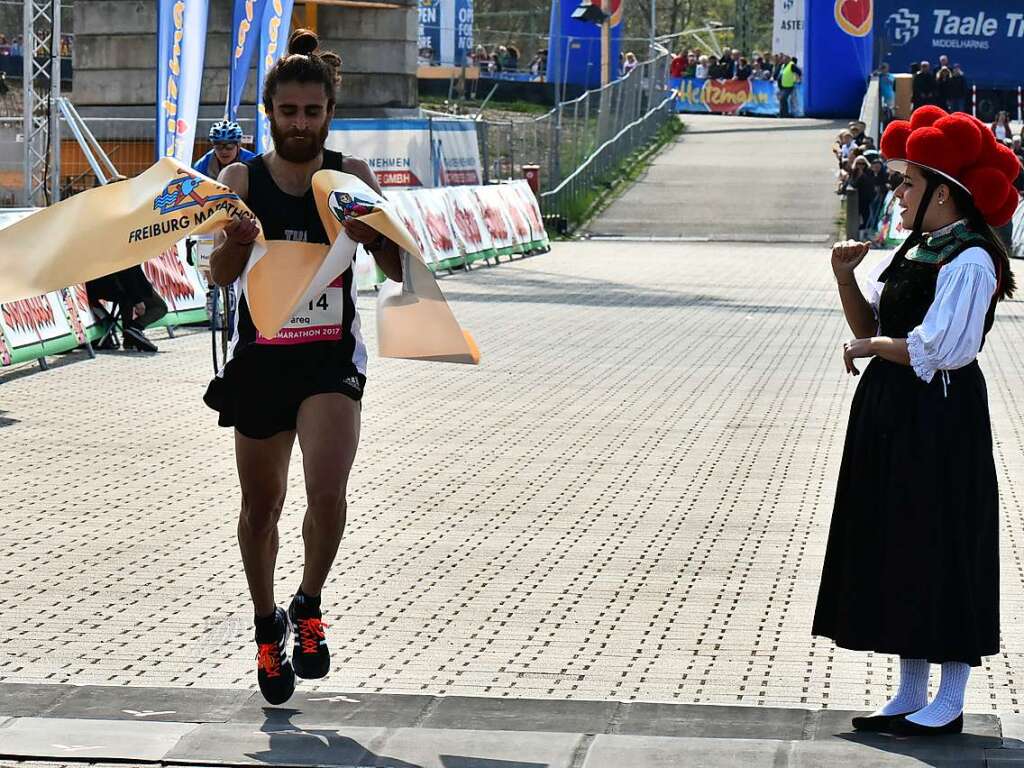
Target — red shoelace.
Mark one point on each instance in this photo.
(269, 659)
(311, 632)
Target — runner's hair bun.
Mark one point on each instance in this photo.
(303, 41)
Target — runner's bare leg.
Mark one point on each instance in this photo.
(263, 475)
(328, 429)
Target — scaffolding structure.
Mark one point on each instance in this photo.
(41, 87)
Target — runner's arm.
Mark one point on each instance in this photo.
(234, 242)
(387, 254)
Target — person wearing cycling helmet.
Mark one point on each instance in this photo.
(226, 137)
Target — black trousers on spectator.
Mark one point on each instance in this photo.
(785, 94)
(156, 308)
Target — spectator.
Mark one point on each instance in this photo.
(743, 69)
(1018, 147)
(788, 80)
(494, 65)
(16, 49)
(841, 149)
(944, 61)
(886, 92)
(511, 57)
(714, 72)
(139, 305)
(678, 66)
(778, 61)
(925, 91)
(629, 63)
(726, 65)
(539, 65)
(480, 57)
(1001, 127)
(861, 180)
(703, 68)
(957, 89)
(856, 129)
(943, 86)
(691, 65)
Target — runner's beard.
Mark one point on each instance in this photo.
(298, 146)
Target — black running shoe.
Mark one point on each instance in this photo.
(273, 669)
(311, 654)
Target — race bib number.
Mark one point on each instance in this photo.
(318, 317)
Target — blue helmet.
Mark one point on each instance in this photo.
(226, 132)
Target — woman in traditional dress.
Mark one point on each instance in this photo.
(912, 564)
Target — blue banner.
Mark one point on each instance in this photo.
(733, 97)
(986, 37)
(181, 46)
(429, 33)
(274, 31)
(837, 56)
(244, 36)
(574, 53)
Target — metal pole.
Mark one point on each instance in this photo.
(54, 128)
(654, 25)
(606, 41)
(28, 97)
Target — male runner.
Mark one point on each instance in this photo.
(306, 382)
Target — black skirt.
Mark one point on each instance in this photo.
(912, 564)
(260, 391)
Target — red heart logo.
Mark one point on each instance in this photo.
(854, 16)
(182, 127)
(726, 96)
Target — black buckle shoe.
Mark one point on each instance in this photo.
(904, 727)
(877, 723)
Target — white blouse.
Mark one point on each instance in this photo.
(950, 335)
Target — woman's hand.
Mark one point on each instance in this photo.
(854, 349)
(846, 256)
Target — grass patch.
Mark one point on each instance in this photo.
(587, 206)
(472, 106)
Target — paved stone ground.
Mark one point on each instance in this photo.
(628, 500)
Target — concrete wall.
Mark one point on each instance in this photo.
(115, 58)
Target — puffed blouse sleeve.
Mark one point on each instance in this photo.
(951, 334)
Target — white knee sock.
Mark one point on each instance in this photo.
(913, 691)
(949, 701)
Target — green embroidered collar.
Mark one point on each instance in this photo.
(942, 243)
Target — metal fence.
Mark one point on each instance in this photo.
(568, 201)
(128, 141)
(560, 140)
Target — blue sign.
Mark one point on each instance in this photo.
(574, 51)
(837, 56)
(986, 37)
(446, 29)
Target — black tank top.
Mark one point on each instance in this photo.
(287, 217)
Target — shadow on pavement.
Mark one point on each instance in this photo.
(962, 751)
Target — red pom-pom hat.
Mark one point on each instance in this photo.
(962, 149)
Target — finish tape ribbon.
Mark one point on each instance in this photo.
(110, 228)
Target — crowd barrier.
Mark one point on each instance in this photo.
(453, 226)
